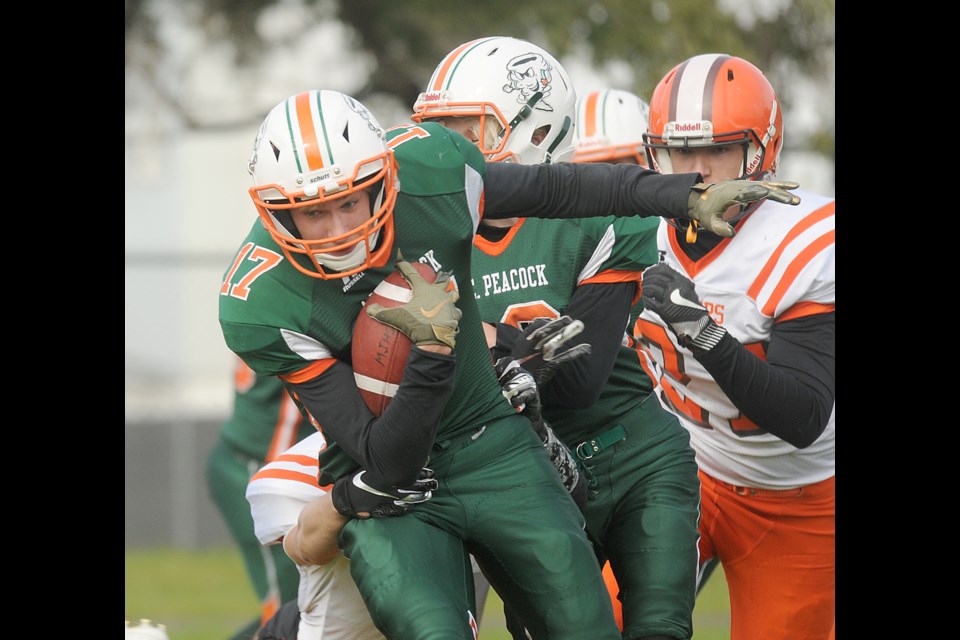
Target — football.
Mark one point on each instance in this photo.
(379, 351)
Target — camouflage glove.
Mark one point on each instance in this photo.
(352, 496)
(519, 387)
(708, 202)
(545, 345)
(673, 297)
(430, 316)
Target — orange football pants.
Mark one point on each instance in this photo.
(777, 549)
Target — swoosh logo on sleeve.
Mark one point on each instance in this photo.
(434, 311)
(680, 301)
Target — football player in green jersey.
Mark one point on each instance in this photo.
(643, 503)
(338, 200)
(264, 423)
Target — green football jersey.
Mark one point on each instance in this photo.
(279, 320)
(534, 270)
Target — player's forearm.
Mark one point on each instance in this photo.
(401, 443)
(313, 540)
(396, 445)
(579, 190)
(791, 394)
(604, 310)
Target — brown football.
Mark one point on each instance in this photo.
(379, 351)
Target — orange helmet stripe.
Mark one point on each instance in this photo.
(590, 117)
(440, 75)
(308, 132)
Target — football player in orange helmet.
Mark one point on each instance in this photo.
(739, 335)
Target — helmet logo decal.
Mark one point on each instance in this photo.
(528, 74)
(252, 163)
(362, 111)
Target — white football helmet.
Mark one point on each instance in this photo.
(610, 126)
(516, 82)
(317, 146)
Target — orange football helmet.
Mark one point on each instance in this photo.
(716, 99)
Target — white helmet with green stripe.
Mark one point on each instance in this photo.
(317, 146)
(516, 82)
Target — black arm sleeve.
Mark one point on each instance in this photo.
(395, 446)
(604, 310)
(584, 190)
(790, 395)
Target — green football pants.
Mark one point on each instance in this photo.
(643, 518)
(501, 499)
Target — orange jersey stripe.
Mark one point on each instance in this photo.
(615, 275)
(285, 474)
(308, 132)
(309, 372)
(805, 224)
(496, 248)
(299, 458)
(794, 269)
(693, 268)
(803, 309)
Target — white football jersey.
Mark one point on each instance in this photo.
(331, 607)
(779, 266)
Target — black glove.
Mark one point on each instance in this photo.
(566, 466)
(352, 495)
(519, 387)
(544, 345)
(673, 297)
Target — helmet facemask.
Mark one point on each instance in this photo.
(361, 243)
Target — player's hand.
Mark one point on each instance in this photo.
(545, 345)
(673, 297)
(355, 498)
(708, 202)
(566, 466)
(520, 388)
(431, 315)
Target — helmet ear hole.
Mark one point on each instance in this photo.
(540, 134)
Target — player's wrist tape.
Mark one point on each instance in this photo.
(708, 338)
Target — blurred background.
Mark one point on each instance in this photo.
(199, 78)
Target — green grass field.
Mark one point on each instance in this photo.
(203, 595)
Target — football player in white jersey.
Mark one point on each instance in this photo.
(328, 605)
(739, 335)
